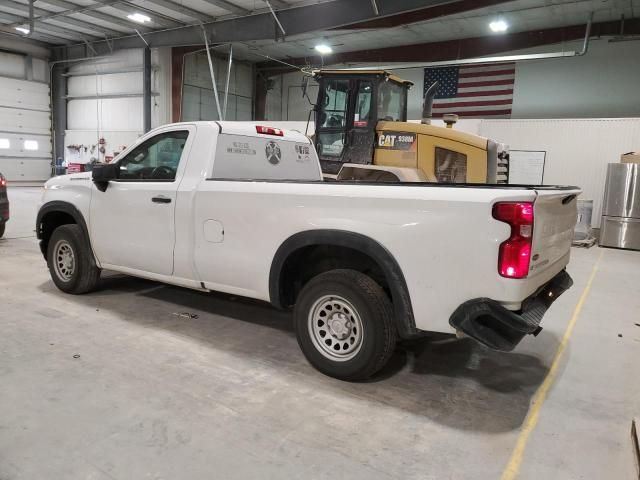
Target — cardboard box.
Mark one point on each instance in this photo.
(631, 157)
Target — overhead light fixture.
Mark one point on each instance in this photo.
(323, 49)
(138, 17)
(23, 30)
(499, 26)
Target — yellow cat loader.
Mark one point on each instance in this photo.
(362, 133)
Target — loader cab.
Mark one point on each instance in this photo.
(349, 106)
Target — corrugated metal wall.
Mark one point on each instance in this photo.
(197, 97)
(25, 118)
(578, 150)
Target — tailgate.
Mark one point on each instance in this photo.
(555, 216)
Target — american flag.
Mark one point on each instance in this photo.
(484, 91)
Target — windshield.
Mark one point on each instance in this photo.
(391, 102)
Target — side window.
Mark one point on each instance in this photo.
(332, 119)
(333, 110)
(391, 102)
(156, 159)
(363, 105)
(450, 166)
(331, 144)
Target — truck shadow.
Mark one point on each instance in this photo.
(454, 382)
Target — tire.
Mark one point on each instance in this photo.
(2, 225)
(359, 336)
(70, 260)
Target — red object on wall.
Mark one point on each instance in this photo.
(75, 168)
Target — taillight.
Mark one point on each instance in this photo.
(515, 252)
(3, 182)
(269, 131)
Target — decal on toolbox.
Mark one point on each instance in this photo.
(273, 153)
(396, 140)
(303, 153)
(241, 148)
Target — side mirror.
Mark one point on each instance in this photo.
(102, 173)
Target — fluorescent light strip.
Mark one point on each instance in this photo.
(138, 17)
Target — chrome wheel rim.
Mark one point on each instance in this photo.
(335, 328)
(64, 260)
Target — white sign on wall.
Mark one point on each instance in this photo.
(526, 167)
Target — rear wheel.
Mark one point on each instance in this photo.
(2, 229)
(344, 324)
(71, 263)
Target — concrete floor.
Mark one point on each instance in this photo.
(229, 395)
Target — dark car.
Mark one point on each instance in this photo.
(4, 204)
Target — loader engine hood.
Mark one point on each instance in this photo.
(394, 128)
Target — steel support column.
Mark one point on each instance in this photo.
(146, 90)
(59, 109)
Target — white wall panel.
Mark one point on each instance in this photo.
(243, 84)
(578, 150)
(27, 121)
(603, 83)
(16, 142)
(244, 108)
(20, 169)
(40, 70)
(12, 65)
(120, 60)
(24, 94)
(105, 114)
(117, 83)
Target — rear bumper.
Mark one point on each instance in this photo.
(491, 324)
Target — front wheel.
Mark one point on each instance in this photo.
(344, 324)
(71, 263)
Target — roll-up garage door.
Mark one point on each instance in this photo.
(25, 127)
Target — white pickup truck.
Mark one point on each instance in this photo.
(241, 208)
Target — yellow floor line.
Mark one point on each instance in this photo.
(513, 467)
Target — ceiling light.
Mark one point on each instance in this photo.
(138, 17)
(23, 30)
(323, 49)
(498, 26)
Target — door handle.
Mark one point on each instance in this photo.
(161, 199)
